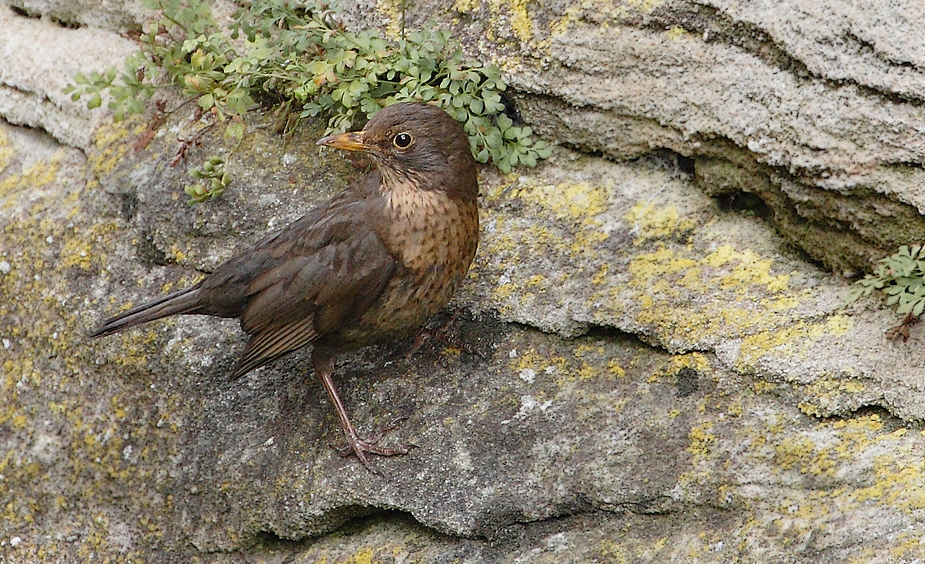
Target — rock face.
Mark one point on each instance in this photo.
(659, 368)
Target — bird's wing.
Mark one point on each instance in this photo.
(326, 276)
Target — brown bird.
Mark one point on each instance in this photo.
(370, 265)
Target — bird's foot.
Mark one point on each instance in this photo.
(360, 447)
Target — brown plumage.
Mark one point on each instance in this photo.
(369, 265)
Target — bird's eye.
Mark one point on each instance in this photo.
(402, 140)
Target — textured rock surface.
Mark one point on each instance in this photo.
(813, 106)
(657, 373)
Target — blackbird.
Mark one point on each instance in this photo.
(370, 265)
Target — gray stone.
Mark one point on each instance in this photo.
(659, 369)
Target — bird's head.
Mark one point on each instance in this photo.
(417, 143)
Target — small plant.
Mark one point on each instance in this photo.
(294, 56)
(184, 47)
(900, 277)
(212, 181)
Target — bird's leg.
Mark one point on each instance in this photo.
(324, 368)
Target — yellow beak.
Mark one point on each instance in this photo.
(352, 141)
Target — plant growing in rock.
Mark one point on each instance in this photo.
(213, 179)
(295, 56)
(900, 277)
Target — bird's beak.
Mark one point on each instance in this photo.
(352, 141)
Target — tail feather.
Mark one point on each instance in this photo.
(184, 301)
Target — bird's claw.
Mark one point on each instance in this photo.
(359, 446)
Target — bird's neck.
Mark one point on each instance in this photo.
(405, 198)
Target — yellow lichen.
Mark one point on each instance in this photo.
(695, 360)
(610, 12)
(76, 253)
(31, 178)
(587, 372)
(392, 10)
(614, 368)
(701, 440)
(838, 325)
(796, 339)
(6, 150)
(600, 277)
(660, 263)
(652, 222)
(110, 151)
(520, 20)
(466, 6)
(579, 202)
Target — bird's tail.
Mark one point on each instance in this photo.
(184, 301)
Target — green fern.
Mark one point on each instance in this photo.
(900, 277)
(292, 55)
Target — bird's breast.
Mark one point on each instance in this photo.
(434, 238)
(427, 228)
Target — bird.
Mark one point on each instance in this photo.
(368, 266)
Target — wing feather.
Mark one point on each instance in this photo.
(268, 346)
(328, 277)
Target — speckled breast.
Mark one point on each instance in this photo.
(434, 238)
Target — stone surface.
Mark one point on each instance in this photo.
(813, 106)
(39, 58)
(658, 371)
